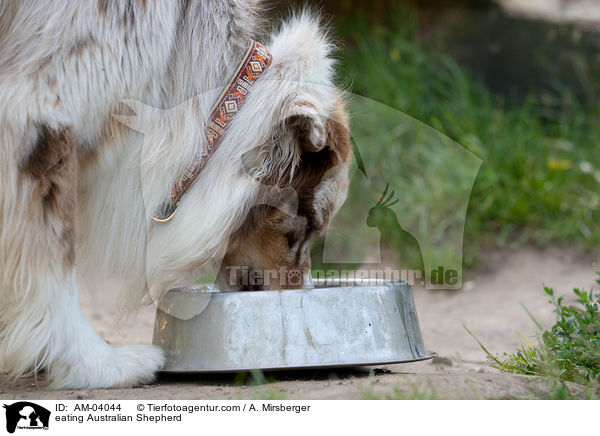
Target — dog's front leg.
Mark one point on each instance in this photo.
(41, 322)
(83, 360)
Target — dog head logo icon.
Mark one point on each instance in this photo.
(26, 415)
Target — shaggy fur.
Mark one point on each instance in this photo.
(102, 103)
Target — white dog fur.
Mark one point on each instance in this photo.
(70, 73)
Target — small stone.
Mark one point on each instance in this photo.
(380, 371)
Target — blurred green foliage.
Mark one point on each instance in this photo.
(540, 178)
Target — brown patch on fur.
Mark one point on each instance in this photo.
(279, 239)
(52, 83)
(113, 130)
(82, 45)
(313, 165)
(301, 125)
(338, 132)
(52, 166)
(130, 11)
(102, 7)
(86, 155)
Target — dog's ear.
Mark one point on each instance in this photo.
(306, 129)
(303, 137)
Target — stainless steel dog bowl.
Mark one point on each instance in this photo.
(332, 325)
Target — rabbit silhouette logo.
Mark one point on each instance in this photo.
(26, 415)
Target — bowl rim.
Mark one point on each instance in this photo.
(317, 284)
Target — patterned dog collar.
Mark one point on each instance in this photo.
(255, 62)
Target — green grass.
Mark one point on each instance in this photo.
(540, 178)
(568, 351)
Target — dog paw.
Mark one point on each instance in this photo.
(112, 368)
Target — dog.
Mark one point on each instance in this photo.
(102, 105)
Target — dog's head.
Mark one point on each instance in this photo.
(308, 156)
(274, 182)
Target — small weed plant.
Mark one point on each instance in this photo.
(568, 351)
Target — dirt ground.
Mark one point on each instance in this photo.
(488, 305)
